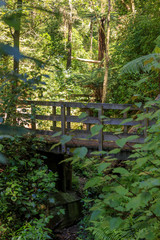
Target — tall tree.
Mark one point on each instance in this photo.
(105, 82)
(69, 44)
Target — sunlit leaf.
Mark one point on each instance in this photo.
(64, 139)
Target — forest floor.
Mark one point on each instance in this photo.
(70, 233)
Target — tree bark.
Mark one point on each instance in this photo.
(105, 82)
(91, 37)
(16, 36)
(69, 44)
(133, 6)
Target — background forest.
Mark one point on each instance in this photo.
(82, 51)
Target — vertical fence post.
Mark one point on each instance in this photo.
(125, 127)
(100, 137)
(88, 126)
(63, 124)
(68, 114)
(53, 114)
(33, 116)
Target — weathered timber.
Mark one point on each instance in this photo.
(83, 134)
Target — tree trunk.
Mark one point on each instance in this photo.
(133, 6)
(69, 44)
(105, 82)
(101, 40)
(91, 37)
(11, 116)
(16, 36)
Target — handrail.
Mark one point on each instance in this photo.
(66, 117)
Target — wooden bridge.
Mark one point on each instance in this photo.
(78, 119)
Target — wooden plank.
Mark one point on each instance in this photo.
(53, 114)
(88, 120)
(82, 105)
(63, 125)
(100, 135)
(68, 114)
(33, 117)
(125, 127)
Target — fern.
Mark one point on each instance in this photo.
(144, 63)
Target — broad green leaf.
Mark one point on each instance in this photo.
(55, 145)
(121, 142)
(130, 138)
(64, 139)
(126, 110)
(95, 214)
(126, 121)
(103, 166)
(115, 223)
(1, 147)
(51, 200)
(138, 104)
(121, 171)
(156, 208)
(57, 134)
(96, 129)
(80, 152)
(82, 115)
(94, 182)
(3, 159)
(121, 190)
(98, 153)
(115, 151)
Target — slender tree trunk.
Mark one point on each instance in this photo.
(101, 40)
(91, 37)
(105, 82)
(69, 44)
(16, 36)
(133, 6)
(11, 116)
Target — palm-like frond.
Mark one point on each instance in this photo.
(142, 64)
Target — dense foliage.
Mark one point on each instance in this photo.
(25, 187)
(60, 50)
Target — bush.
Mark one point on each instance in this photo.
(128, 206)
(25, 187)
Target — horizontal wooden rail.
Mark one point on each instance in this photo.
(68, 113)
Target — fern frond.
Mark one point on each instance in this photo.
(144, 63)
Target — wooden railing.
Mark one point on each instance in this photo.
(68, 114)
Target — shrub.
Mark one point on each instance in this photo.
(25, 187)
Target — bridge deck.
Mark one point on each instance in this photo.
(78, 120)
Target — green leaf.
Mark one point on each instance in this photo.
(115, 223)
(98, 153)
(121, 142)
(103, 166)
(64, 139)
(82, 115)
(80, 152)
(94, 182)
(57, 134)
(51, 200)
(126, 121)
(126, 110)
(115, 151)
(3, 159)
(96, 129)
(95, 215)
(1, 147)
(121, 171)
(138, 104)
(121, 190)
(156, 208)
